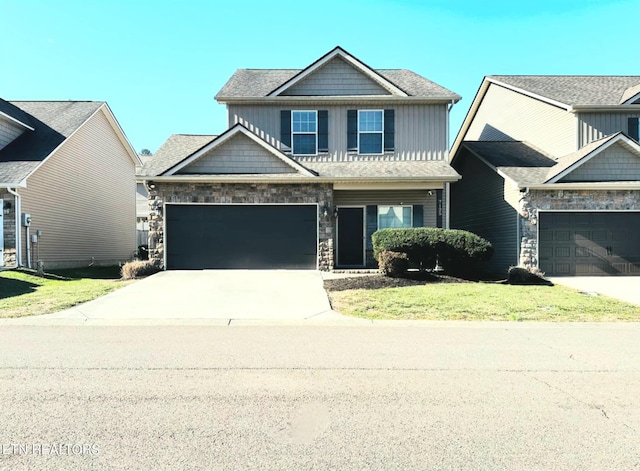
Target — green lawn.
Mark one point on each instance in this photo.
(22, 293)
(481, 301)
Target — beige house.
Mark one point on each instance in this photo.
(313, 162)
(550, 171)
(67, 185)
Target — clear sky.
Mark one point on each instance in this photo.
(159, 64)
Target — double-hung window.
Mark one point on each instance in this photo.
(371, 131)
(395, 216)
(304, 132)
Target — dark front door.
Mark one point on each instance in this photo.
(589, 243)
(241, 236)
(350, 237)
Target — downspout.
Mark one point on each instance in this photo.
(18, 230)
(447, 186)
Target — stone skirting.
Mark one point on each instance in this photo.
(240, 193)
(565, 200)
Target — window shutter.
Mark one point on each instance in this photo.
(418, 215)
(352, 130)
(439, 215)
(372, 223)
(633, 128)
(389, 130)
(285, 130)
(323, 131)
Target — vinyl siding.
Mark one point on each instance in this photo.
(479, 205)
(83, 199)
(390, 198)
(420, 130)
(505, 115)
(237, 156)
(594, 126)
(615, 163)
(9, 131)
(336, 78)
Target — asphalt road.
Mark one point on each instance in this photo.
(466, 396)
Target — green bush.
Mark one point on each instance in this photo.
(393, 264)
(458, 252)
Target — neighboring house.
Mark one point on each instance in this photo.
(550, 171)
(314, 161)
(67, 185)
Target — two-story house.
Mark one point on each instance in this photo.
(550, 171)
(67, 185)
(313, 162)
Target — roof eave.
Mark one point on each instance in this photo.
(601, 108)
(293, 179)
(338, 98)
(583, 186)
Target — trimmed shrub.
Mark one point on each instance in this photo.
(393, 264)
(138, 269)
(458, 252)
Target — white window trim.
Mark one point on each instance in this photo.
(410, 206)
(304, 133)
(372, 132)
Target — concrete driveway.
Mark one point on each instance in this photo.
(625, 288)
(212, 294)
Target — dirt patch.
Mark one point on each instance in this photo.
(379, 281)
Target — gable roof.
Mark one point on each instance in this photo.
(571, 161)
(53, 122)
(353, 61)
(15, 114)
(225, 137)
(519, 161)
(175, 149)
(527, 166)
(264, 83)
(570, 92)
(573, 90)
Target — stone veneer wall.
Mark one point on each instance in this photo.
(567, 200)
(9, 228)
(236, 193)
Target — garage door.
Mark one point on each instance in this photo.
(241, 236)
(589, 243)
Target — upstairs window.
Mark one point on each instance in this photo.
(371, 131)
(304, 132)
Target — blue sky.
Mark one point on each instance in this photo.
(158, 64)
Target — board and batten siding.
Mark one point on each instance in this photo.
(420, 130)
(594, 126)
(479, 205)
(615, 163)
(237, 156)
(505, 115)
(336, 78)
(83, 199)
(9, 131)
(391, 198)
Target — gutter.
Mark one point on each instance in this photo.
(310, 180)
(18, 230)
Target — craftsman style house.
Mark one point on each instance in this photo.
(550, 171)
(312, 163)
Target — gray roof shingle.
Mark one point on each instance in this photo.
(180, 146)
(174, 150)
(53, 123)
(258, 83)
(575, 90)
